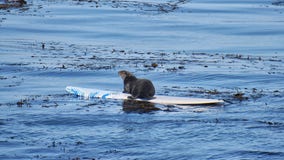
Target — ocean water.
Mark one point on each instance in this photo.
(230, 50)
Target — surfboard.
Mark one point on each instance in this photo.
(168, 100)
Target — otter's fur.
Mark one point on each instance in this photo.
(138, 88)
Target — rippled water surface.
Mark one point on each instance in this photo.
(231, 50)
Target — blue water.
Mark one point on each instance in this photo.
(231, 50)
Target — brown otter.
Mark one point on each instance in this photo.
(138, 88)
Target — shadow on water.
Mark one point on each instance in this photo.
(133, 106)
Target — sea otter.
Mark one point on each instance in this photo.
(138, 88)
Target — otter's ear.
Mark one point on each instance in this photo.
(129, 74)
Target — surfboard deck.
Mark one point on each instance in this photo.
(168, 100)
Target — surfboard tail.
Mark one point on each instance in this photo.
(95, 93)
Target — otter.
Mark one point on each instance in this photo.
(138, 88)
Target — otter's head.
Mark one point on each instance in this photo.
(123, 74)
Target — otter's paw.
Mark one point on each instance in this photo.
(130, 97)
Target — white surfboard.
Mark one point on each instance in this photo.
(168, 100)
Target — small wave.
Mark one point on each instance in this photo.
(261, 153)
(278, 3)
